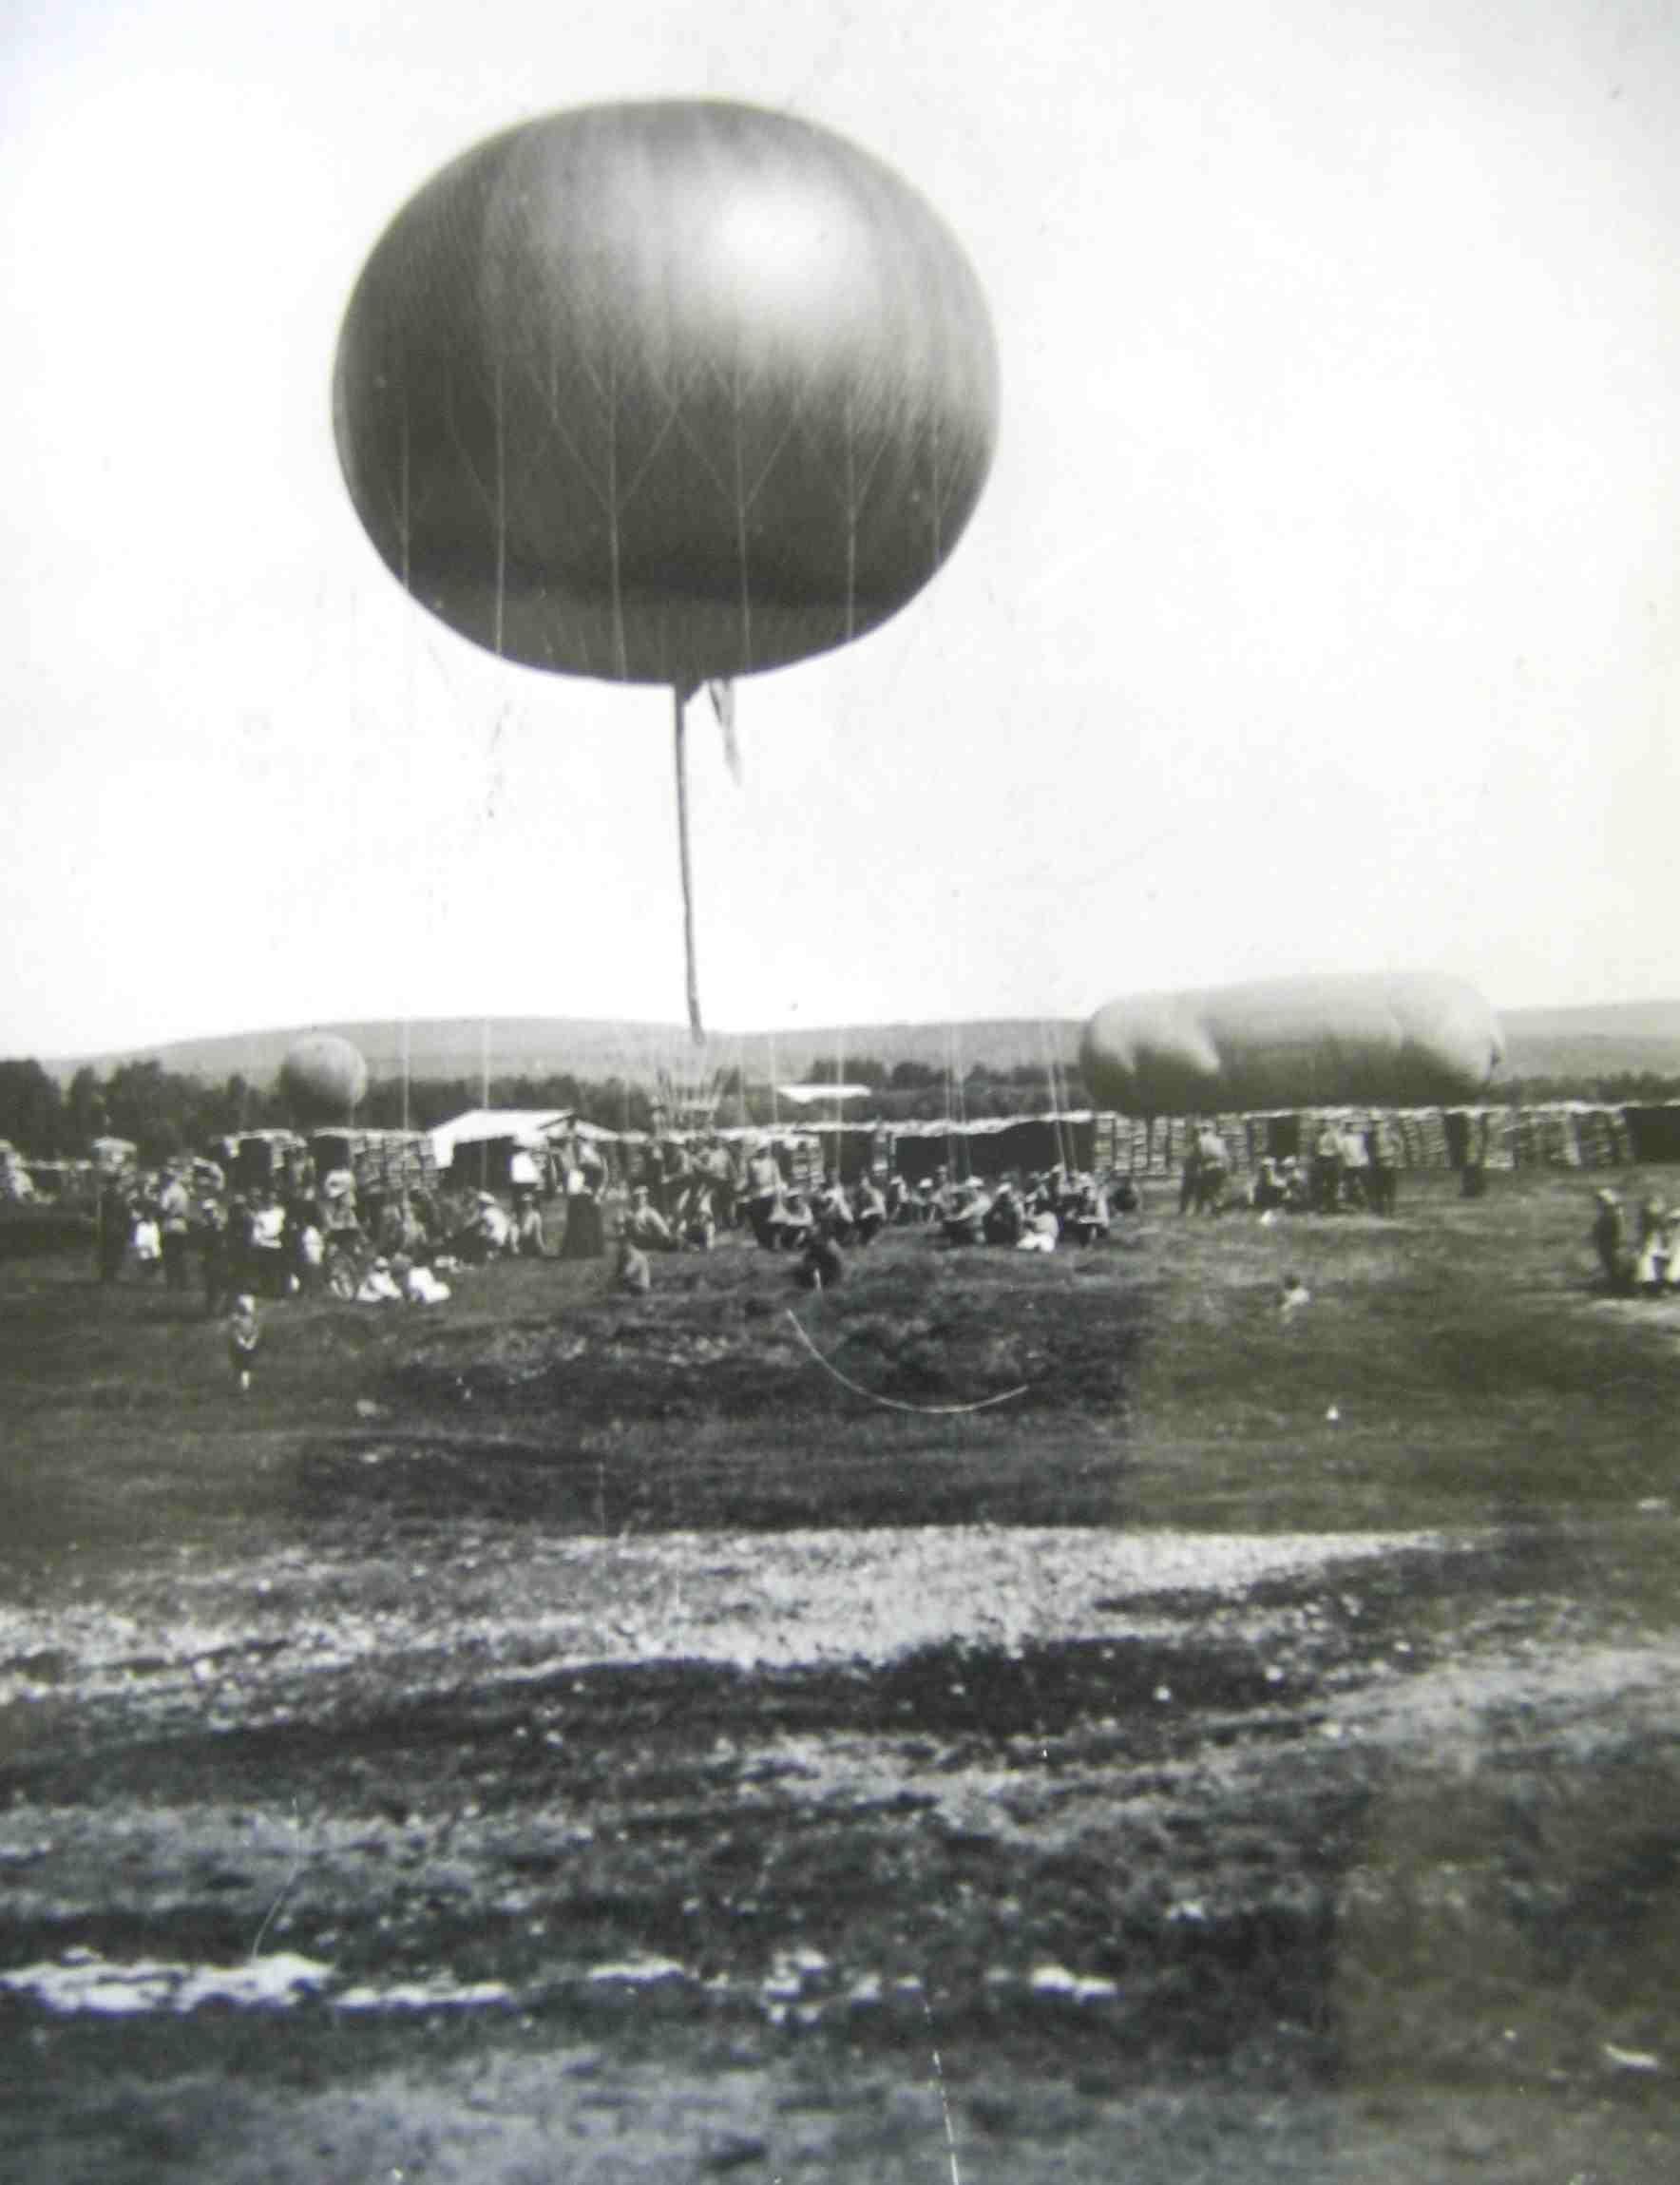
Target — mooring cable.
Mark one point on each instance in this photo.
(891, 1403)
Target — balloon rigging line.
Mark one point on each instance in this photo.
(891, 1403)
(695, 1027)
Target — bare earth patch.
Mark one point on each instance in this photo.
(443, 1769)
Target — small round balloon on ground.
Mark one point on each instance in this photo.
(323, 1078)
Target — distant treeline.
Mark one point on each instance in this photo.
(164, 1112)
(1620, 1089)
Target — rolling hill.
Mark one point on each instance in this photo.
(1584, 1044)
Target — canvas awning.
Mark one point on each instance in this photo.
(526, 1126)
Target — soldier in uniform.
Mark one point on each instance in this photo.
(1384, 1142)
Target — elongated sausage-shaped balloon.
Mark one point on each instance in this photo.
(664, 393)
(1399, 1040)
(323, 1078)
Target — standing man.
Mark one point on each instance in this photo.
(1610, 1240)
(1327, 1168)
(1212, 1171)
(116, 1225)
(764, 1186)
(212, 1256)
(1356, 1166)
(1384, 1144)
(175, 1215)
(1190, 1181)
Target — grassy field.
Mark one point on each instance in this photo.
(588, 1739)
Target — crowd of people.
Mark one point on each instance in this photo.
(298, 1235)
(784, 1216)
(1353, 1167)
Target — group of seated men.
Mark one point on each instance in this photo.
(1033, 1212)
(1030, 1213)
(782, 1217)
(1353, 1167)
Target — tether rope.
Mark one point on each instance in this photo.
(891, 1403)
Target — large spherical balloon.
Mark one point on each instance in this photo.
(665, 391)
(1410, 1039)
(323, 1078)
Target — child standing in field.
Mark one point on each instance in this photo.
(244, 1336)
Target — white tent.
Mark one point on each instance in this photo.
(809, 1095)
(526, 1127)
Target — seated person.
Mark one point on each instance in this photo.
(870, 1214)
(492, 1227)
(697, 1227)
(378, 1286)
(820, 1264)
(1267, 1191)
(834, 1210)
(632, 1273)
(398, 1228)
(1006, 1220)
(645, 1226)
(791, 1225)
(1043, 1229)
(422, 1287)
(1089, 1220)
(967, 1207)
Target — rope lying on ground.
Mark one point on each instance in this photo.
(890, 1403)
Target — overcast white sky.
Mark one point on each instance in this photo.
(1322, 611)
